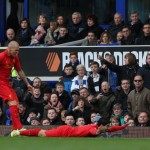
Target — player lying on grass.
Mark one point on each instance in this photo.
(69, 131)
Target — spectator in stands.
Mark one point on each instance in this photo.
(37, 82)
(69, 119)
(145, 72)
(52, 116)
(60, 21)
(104, 101)
(143, 119)
(35, 100)
(74, 95)
(67, 75)
(8, 117)
(135, 23)
(122, 94)
(82, 110)
(19, 86)
(2, 117)
(10, 34)
(24, 33)
(34, 121)
(119, 37)
(116, 26)
(129, 70)
(32, 113)
(131, 122)
(108, 74)
(139, 98)
(95, 79)
(118, 111)
(128, 37)
(39, 35)
(76, 25)
(127, 116)
(144, 39)
(46, 95)
(54, 103)
(62, 115)
(63, 95)
(74, 61)
(115, 121)
(91, 39)
(80, 121)
(52, 33)
(23, 112)
(92, 25)
(105, 39)
(148, 19)
(43, 22)
(45, 122)
(63, 36)
(84, 92)
(80, 80)
(92, 116)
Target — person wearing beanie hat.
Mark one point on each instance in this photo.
(74, 95)
(34, 121)
(75, 91)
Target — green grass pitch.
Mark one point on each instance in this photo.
(43, 143)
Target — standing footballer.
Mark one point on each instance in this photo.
(8, 59)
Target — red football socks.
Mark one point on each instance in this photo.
(116, 128)
(16, 124)
(30, 132)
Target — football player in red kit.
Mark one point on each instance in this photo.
(8, 60)
(69, 131)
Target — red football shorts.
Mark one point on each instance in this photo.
(7, 92)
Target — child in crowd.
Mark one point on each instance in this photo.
(39, 34)
(74, 61)
(80, 121)
(117, 111)
(63, 95)
(95, 79)
(127, 116)
(131, 122)
(34, 121)
(115, 121)
(67, 76)
(33, 113)
(45, 122)
(52, 32)
(52, 116)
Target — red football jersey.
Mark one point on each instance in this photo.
(69, 131)
(6, 65)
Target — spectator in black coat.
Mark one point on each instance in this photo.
(144, 39)
(116, 26)
(92, 25)
(63, 36)
(128, 37)
(135, 24)
(128, 71)
(24, 33)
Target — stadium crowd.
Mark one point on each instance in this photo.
(117, 94)
(63, 30)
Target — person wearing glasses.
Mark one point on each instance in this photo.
(139, 98)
